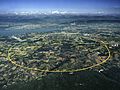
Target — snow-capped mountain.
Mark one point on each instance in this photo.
(58, 12)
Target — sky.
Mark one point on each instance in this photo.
(71, 6)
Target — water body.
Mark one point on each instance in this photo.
(87, 22)
(18, 32)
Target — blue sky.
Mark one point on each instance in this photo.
(80, 6)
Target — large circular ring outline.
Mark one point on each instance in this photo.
(77, 70)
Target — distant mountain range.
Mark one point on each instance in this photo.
(55, 12)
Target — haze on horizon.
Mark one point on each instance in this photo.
(68, 6)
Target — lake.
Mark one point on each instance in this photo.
(18, 32)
